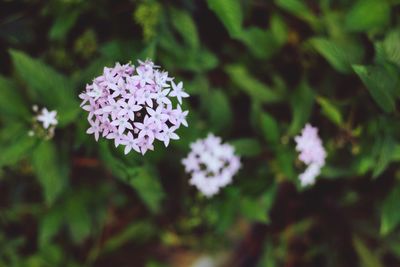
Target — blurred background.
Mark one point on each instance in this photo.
(257, 72)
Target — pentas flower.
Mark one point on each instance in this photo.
(312, 153)
(44, 122)
(211, 164)
(134, 106)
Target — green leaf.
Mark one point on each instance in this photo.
(185, 26)
(368, 14)
(301, 103)
(391, 47)
(137, 232)
(79, 221)
(51, 174)
(250, 85)
(226, 209)
(115, 50)
(381, 84)
(11, 102)
(257, 209)
(17, 147)
(230, 14)
(115, 165)
(261, 43)
(47, 86)
(49, 226)
(367, 257)
(330, 111)
(268, 258)
(247, 147)
(270, 129)
(141, 179)
(221, 113)
(148, 188)
(62, 24)
(340, 54)
(383, 151)
(390, 217)
(285, 159)
(297, 8)
(279, 29)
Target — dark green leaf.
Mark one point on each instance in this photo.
(230, 14)
(279, 29)
(185, 26)
(137, 232)
(148, 188)
(51, 174)
(390, 217)
(261, 43)
(227, 209)
(247, 147)
(368, 14)
(391, 47)
(330, 111)
(62, 24)
(251, 86)
(221, 113)
(79, 221)
(270, 129)
(285, 159)
(47, 86)
(367, 257)
(49, 226)
(302, 103)
(17, 147)
(381, 84)
(384, 151)
(298, 8)
(340, 54)
(257, 209)
(11, 102)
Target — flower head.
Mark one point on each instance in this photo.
(134, 106)
(312, 153)
(211, 164)
(44, 123)
(47, 118)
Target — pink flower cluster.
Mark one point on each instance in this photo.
(312, 153)
(211, 164)
(133, 106)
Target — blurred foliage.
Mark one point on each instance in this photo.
(257, 71)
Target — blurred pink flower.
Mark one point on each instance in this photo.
(312, 153)
(211, 164)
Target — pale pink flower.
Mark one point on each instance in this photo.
(132, 106)
(178, 92)
(211, 164)
(312, 153)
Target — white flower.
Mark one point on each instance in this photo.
(177, 91)
(47, 118)
(309, 175)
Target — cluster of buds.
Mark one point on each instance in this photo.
(312, 153)
(44, 123)
(211, 164)
(133, 106)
